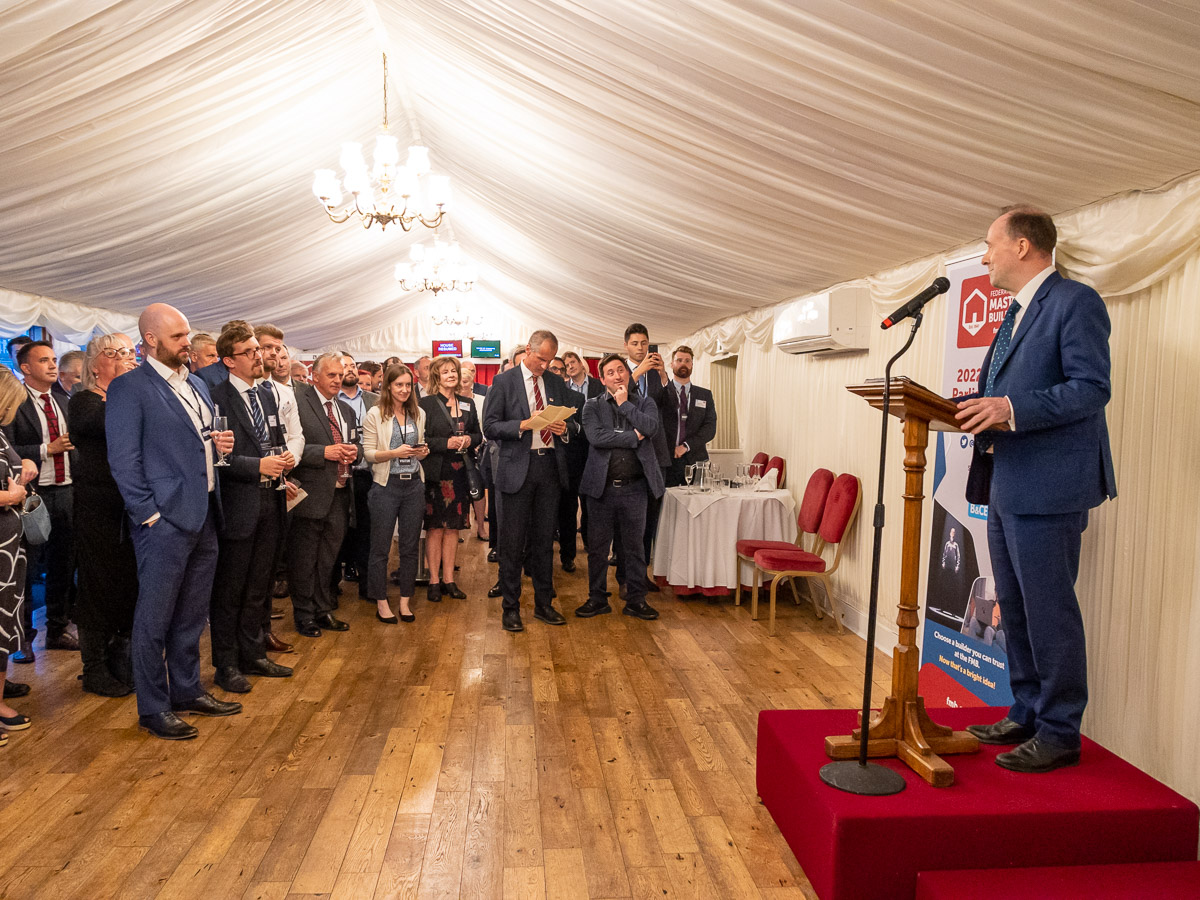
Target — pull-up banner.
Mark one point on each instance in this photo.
(964, 662)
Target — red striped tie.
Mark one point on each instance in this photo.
(547, 434)
(60, 463)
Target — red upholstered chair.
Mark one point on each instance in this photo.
(760, 459)
(780, 465)
(841, 508)
(808, 520)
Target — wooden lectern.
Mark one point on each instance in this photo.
(902, 728)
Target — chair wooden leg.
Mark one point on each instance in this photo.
(771, 620)
(737, 577)
(795, 592)
(834, 607)
(754, 594)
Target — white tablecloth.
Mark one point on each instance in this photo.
(697, 533)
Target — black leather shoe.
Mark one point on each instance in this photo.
(387, 620)
(511, 620)
(652, 587)
(549, 615)
(24, 656)
(1006, 731)
(493, 556)
(308, 629)
(329, 623)
(230, 678)
(408, 617)
(208, 705)
(280, 589)
(14, 689)
(594, 607)
(1037, 756)
(450, 589)
(568, 566)
(433, 593)
(495, 590)
(64, 640)
(640, 611)
(266, 668)
(168, 726)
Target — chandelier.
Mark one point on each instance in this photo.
(437, 268)
(389, 193)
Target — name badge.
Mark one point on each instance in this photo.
(272, 421)
(353, 435)
(701, 404)
(206, 432)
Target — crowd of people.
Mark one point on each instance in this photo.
(222, 474)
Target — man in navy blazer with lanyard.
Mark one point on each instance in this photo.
(159, 419)
(1045, 377)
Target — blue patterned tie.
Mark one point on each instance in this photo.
(260, 425)
(1003, 342)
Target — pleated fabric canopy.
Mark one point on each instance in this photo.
(669, 161)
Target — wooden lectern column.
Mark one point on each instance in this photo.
(902, 728)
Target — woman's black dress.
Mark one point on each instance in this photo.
(108, 584)
(12, 559)
(447, 490)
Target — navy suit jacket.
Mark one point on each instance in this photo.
(1056, 376)
(213, 374)
(313, 472)
(25, 431)
(155, 454)
(240, 491)
(701, 425)
(507, 407)
(640, 413)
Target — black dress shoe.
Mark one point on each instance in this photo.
(266, 668)
(24, 656)
(495, 590)
(168, 726)
(64, 640)
(493, 556)
(308, 629)
(568, 566)
(208, 705)
(594, 607)
(14, 689)
(280, 590)
(652, 587)
(511, 620)
(450, 589)
(230, 678)
(433, 593)
(407, 617)
(275, 645)
(641, 610)
(386, 620)
(549, 615)
(329, 623)
(1006, 731)
(1037, 756)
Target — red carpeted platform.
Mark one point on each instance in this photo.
(1133, 881)
(1102, 811)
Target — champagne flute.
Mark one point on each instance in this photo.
(689, 472)
(219, 423)
(278, 448)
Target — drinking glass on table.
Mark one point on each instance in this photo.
(219, 423)
(689, 472)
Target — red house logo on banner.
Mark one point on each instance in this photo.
(981, 310)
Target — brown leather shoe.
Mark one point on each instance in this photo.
(275, 645)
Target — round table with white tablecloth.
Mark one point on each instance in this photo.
(694, 550)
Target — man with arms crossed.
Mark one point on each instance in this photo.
(1046, 376)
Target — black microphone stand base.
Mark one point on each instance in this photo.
(866, 779)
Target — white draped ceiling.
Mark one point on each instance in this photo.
(673, 161)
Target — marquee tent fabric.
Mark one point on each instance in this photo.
(673, 161)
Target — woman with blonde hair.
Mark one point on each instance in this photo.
(452, 429)
(13, 475)
(394, 445)
(108, 583)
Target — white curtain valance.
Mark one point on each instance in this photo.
(70, 322)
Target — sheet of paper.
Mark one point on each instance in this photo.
(301, 493)
(550, 415)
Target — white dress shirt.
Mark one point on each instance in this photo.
(1024, 296)
(46, 471)
(529, 378)
(197, 411)
(289, 414)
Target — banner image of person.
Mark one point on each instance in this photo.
(964, 662)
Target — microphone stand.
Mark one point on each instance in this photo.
(862, 777)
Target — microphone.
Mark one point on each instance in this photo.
(913, 306)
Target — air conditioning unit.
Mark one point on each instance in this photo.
(836, 321)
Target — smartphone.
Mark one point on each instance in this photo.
(654, 348)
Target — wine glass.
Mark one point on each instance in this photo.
(689, 472)
(219, 423)
(278, 448)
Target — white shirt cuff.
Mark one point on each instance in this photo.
(154, 518)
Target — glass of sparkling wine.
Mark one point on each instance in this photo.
(689, 472)
(219, 423)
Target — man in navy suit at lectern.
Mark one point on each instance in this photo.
(1045, 377)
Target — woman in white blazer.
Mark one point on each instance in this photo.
(394, 444)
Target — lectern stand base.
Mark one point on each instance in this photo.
(869, 780)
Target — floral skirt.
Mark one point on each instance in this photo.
(447, 500)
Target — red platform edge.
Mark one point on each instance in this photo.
(1103, 811)
(1131, 881)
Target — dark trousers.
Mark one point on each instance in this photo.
(493, 517)
(568, 521)
(653, 510)
(241, 597)
(400, 505)
(527, 517)
(56, 556)
(1035, 561)
(175, 578)
(356, 545)
(313, 547)
(618, 514)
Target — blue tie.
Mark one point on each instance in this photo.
(1003, 342)
(260, 425)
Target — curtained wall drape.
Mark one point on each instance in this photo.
(1140, 575)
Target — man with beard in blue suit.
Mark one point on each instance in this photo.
(1045, 377)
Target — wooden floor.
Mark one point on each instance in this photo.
(447, 758)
